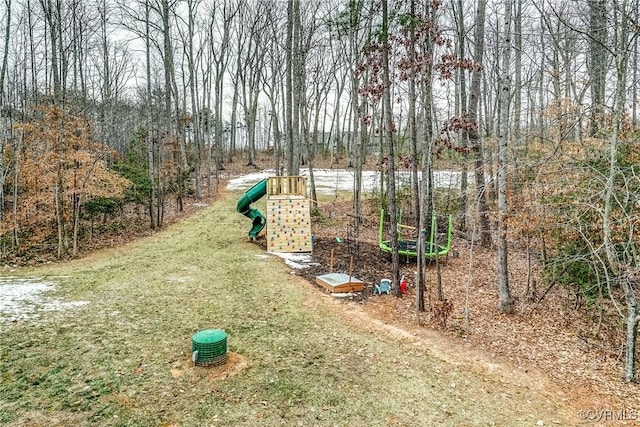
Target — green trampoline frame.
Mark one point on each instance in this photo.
(410, 247)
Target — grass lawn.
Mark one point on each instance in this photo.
(124, 359)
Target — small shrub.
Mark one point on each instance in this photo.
(575, 271)
(377, 201)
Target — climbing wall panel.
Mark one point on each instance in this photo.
(288, 224)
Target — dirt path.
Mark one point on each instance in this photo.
(532, 382)
(452, 351)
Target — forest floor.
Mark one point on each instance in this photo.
(550, 332)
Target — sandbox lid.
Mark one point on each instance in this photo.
(340, 282)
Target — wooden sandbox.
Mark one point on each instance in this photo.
(340, 282)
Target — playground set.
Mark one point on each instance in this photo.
(288, 223)
(288, 220)
(288, 230)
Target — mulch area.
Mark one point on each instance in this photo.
(551, 330)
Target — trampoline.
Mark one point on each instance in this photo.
(409, 247)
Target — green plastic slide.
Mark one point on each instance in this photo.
(244, 207)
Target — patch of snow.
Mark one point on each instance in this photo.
(178, 279)
(22, 299)
(297, 261)
(262, 256)
(58, 305)
(331, 180)
(244, 182)
(343, 294)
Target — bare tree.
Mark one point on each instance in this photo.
(426, 193)
(52, 13)
(474, 136)
(389, 128)
(316, 76)
(273, 78)
(5, 50)
(153, 205)
(192, 6)
(250, 77)
(3, 72)
(292, 161)
(297, 85)
(356, 24)
(517, 90)
(627, 279)
(506, 301)
(598, 58)
(219, 29)
(463, 112)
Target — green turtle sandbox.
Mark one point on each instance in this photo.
(340, 283)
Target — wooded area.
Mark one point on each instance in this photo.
(109, 106)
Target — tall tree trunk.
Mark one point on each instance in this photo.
(17, 146)
(206, 119)
(517, 96)
(541, 74)
(411, 116)
(474, 137)
(313, 151)
(506, 302)
(5, 51)
(195, 115)
(3, 72)
(634, 75)
(250, 120)
(632, 319)
(291, 161)
(597, 60)
(53, 15)
(426, 190)
(52, 19)
(298, 88)
(150, 140)
(234, 114)
(168, 65)
(60, 186)
(221, 55)
(388, 134)
(464, 135)
(621, 38)
(217, 117)
(277, 138)
(359, 159)
(172, 112)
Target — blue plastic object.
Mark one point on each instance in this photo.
(383, 287)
